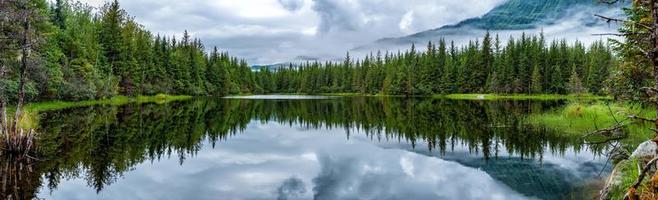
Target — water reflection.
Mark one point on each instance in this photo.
(346, 148)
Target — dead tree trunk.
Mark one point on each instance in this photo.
(21, 72)
(4, 129)
(654, 52)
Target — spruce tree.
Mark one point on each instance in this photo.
(575, 85)
(536, 81)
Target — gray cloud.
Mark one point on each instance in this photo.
(292, 5)
(292, 188)
(335, 16)
(274, 31)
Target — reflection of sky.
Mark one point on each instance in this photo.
(279, 97)
(552, 176)
(274, 161)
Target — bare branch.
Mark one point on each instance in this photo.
(607, 131)
(641, 118)
(639, 180)
(616, 20)
(606, 141)
(651, 91)
(610, 34)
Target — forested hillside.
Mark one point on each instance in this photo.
(527, 65)
(84, 54)
(524, 14)
(528, 15)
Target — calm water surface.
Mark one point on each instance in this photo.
(306, 148)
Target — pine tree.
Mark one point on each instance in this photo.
(575, 85)
(112, 18)
(536, 81)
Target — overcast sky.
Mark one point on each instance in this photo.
(271, 31)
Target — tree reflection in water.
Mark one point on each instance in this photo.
(102, 143)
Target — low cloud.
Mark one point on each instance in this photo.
(275, 31)
(292, 188)
(292, 5)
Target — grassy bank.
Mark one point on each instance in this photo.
(117, 100)
(358, 95)
(579, 118)
(543, 97)
(30, 117)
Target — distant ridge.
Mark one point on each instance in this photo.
(511, 15)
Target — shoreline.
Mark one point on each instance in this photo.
(114, 101)
(473, 96)
(164, 98)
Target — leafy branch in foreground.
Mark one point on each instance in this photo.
(640, 53)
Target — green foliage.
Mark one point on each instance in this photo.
(541, 97)
(89, 55)
(524, 66)
(635, 70)
(92, 55)
(115, 101)
(536, 81)
(629, 174)
(514, 14)
(575, 85)
(10, 87)
(578, 118)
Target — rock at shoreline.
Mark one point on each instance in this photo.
(615, 179)
(644, 153)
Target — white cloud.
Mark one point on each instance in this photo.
(320, 164)
(270, 31)
(406, 22)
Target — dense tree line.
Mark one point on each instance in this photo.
(84, 54)
(527, 65)
(88, 55)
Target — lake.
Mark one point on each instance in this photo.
(304, 147)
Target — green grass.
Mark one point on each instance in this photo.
(358, 95)
(31, 111)
(115, 101)
(161, 98)
(629, 170)
(488, 97)
(579, 118)
(544, 97)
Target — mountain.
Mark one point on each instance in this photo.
(513, 15)
(523, 14)
(271, 67)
